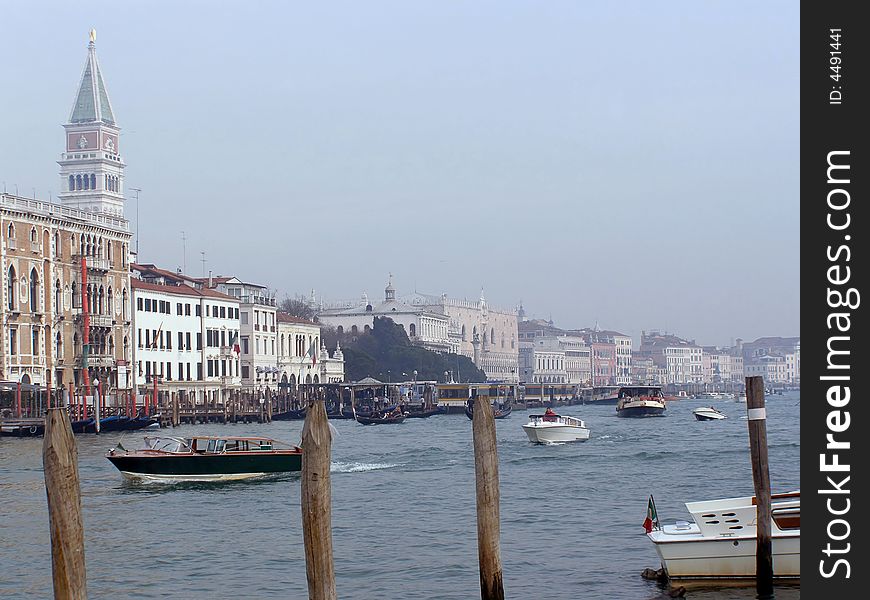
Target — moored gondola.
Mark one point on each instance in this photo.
(498, 411)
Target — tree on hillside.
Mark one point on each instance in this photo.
(387, 354)
(297, 308)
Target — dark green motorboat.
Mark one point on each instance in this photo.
(206, 458)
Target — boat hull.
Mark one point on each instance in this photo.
(725, 558)
(708, 416)
(556, 434)
(205, 467)
(641, 411)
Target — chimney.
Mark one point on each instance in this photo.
(210, 283)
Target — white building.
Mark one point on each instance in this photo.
(185, 336)
(302, 356)
(486, 335)
(424, 327)
(555, 359)
(682, 360)
(259, 329)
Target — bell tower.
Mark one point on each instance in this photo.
(91, 166)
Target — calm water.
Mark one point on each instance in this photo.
(403, 510)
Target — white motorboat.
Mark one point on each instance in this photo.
(721, 542)
(708, 413)
(640, 401)
(550, 428)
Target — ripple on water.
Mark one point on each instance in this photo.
(403, 510)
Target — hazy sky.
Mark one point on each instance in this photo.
(630, 163)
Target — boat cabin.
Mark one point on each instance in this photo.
(210, 445)
(640, 391)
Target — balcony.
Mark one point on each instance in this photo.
(96, 320)
(95, 360)
(95, 263)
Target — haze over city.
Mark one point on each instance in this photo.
(632, 165)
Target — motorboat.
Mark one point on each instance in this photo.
(712, 396)
(720, 543)
(640, 401)
(551, 428)
(708, 413)
(206, 458)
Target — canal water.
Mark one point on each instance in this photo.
(403, 510)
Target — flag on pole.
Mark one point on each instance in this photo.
(312, 352)
(156, 336)
(234, 343)
(652, 517)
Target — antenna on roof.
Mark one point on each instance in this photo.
(202, 260)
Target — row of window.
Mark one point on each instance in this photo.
(214, 368)
(88, 245)
(88, 181)
(165, 307)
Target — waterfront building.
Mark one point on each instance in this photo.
(186, 336)
(487, 335)
(302, 355)
(61, 260)
(555, 359)
(424, 327)
(763, 356)
(258, 329)
(682, 360)
(611, 355)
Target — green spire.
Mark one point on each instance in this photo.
(92, 101)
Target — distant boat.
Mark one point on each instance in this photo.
(377, 418)
(550, 428)
(498, 411)
(290, 415)
(640, 401)
(708, 413)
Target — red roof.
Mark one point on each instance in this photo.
(180, 290)
(283, 317)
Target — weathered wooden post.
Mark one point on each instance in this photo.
(486, 484)
(757, 420)
(317, 503)
(175, 422)
(60, 463)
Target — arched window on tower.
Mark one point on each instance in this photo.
(58, 345)
(412, 330)
(110, 305)
(93, 181)
(72, 183)
(86, 182)
(78, 182)
(34, 290)
(58, 307)
(10, 287)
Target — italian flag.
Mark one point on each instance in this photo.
(312, 352)
(652, 516)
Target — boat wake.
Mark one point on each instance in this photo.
(358, 467)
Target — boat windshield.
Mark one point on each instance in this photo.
(166, 444)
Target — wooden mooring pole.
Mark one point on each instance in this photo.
(486, 484)
(757, 420)
(317, 503)
(60, 463)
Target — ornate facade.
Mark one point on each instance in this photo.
(63, 261)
